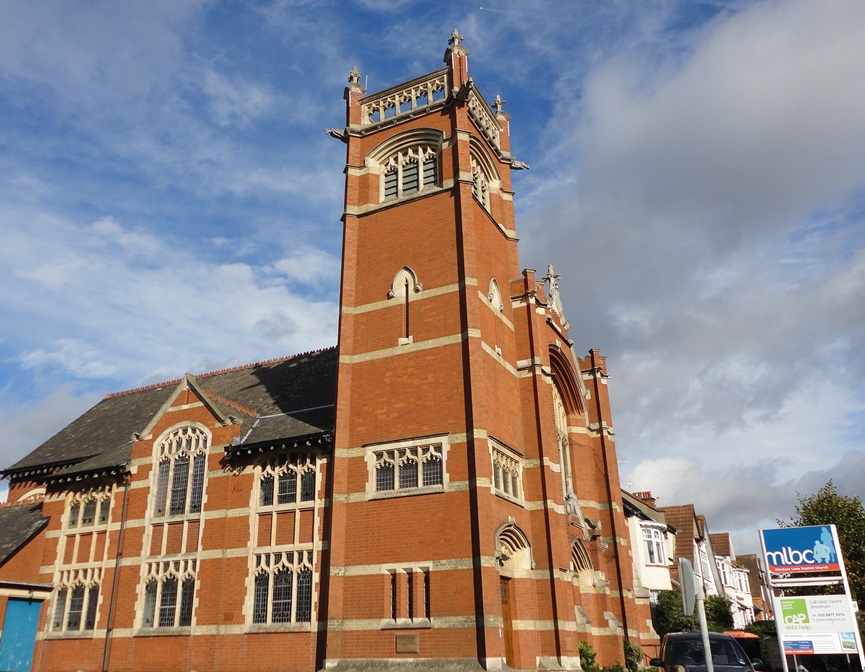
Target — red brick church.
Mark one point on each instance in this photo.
(437, 492)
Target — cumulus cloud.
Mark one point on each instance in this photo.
(127, 301)
(709, 202)
(697, 174)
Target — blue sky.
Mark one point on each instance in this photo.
(169, 202)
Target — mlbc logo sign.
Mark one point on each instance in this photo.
(800, 549)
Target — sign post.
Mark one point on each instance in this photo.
(796, 557)
(692, 593)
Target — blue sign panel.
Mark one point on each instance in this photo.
(799, 646)
(797, 550)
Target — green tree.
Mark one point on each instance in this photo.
(669, 616)
(719, 615)
(827, 506)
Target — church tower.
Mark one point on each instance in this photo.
(476, 514)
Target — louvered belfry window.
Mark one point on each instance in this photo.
(409, 171)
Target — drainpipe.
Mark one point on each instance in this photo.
(596, 371)
(116, 581)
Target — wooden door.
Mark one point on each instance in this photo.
(507, 621)
(19, 635)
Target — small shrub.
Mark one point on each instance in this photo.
(588, 658)
(618, 667)
(633, 656)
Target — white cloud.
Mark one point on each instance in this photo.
(128, 309)
(27, 424)
(235, 102)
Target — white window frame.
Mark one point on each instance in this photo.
(419, 451)
(653, 544)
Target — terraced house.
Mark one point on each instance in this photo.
(438, 491)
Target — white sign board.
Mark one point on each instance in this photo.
(816, 624)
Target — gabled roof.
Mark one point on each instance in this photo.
(279, 399)
(683, 518)
(721, 544)
(18, 524)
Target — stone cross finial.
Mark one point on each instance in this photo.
(354, 76)
(456, 38)
(498, 103)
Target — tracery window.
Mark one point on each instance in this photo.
(507, 473)
(282, 586)
(89, 509)
(404, 469)
(408, 171)
(180, 470)
(286, 480)
(76, 600)
(169, 591)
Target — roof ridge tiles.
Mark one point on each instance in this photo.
(231, 402)
(218, 372)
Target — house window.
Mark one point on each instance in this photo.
(507, 473)
(180, 470)
(282, 588)
(407, 468)
(409, 597)
(654, 541)
(169, 592)
(410, 171)
(287, 480)
(76, 600)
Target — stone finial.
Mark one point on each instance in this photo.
(455, 38)
(498, 103)
(354, 76)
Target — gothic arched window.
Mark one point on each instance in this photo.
(181, 465)
(407, 164)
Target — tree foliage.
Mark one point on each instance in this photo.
(827, 506)
(669, 616)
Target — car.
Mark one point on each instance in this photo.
(685, 650)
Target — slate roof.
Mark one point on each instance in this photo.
(279, 399)
(18, 524)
